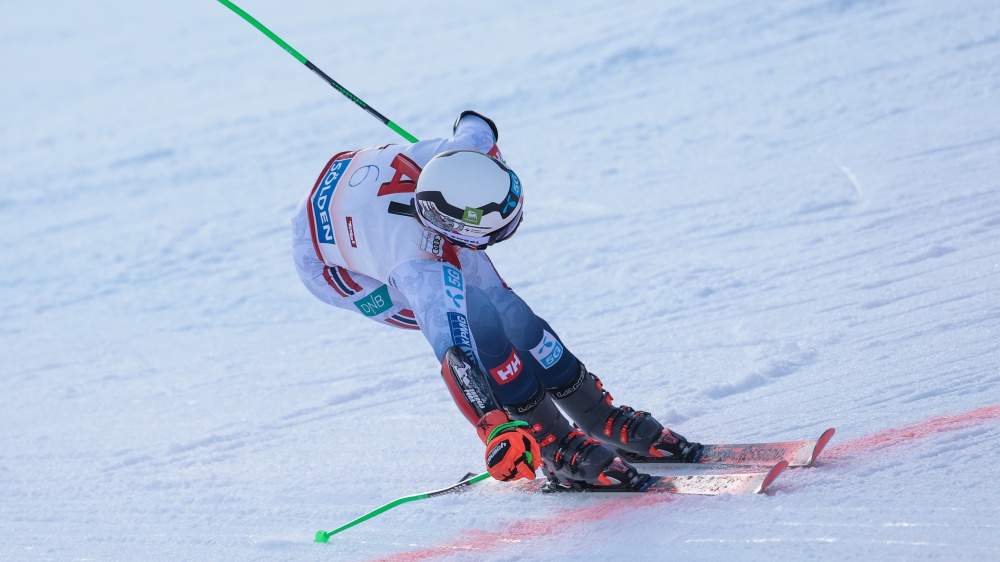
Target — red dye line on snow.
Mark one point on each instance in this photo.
(477, 540)
(930, 426)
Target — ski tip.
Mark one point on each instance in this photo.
(771, 475)
(322, 536)
(820, 444)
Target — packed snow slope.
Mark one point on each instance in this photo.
(755, 219)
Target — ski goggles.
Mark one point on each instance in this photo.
(479, 242)
(505, 208)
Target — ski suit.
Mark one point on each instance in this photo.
(358, 247)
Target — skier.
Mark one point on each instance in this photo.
(397, 233)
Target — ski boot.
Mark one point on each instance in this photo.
(571, 460)
(634, 435)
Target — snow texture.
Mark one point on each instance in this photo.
(755, 219)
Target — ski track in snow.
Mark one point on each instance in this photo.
(862, 456)
(756, 220)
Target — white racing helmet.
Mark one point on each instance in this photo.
(470, 198)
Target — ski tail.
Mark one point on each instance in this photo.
(820, 445)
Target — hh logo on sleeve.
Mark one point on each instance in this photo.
(508, 370)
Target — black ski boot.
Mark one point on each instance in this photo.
(632, 434)
(570, 459)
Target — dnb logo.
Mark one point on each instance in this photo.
(508, 370)
(323, 197)
(375, 303)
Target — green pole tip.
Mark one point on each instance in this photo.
(322, 536)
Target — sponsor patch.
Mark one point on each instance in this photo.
(513, 196)
(350, 231)
(497, 453)
(529, 406)
(323, 198)
(461, 335)
(549, 351)
(472, 216)
(454, 287)
(577, 383)
(432, 243)
(515, 184)
(453, 277)
(469, 386)
(508, 370)
(495, 153)
(375, 303)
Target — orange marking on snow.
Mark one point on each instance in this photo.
(897, 435)
(524, 530)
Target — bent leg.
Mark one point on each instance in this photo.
(579, 393)
(451, 312)
(530, 334)
(513, 378)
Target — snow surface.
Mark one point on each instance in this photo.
(754, 219)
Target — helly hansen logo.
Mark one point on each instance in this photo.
(509, 370)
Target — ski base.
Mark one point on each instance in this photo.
(694, 484)
(795, 453)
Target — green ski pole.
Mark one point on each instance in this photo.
(324, 536)
(360, 103)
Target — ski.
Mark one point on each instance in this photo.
(795, 453)
(743, 480)
(694, 484)
(743, 469)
